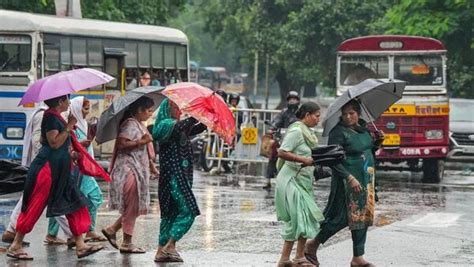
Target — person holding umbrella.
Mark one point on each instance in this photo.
(352, 196)
(177, 202)
(133, 162)
(50, 183)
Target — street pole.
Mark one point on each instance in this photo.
(255, 78)
(267, 66)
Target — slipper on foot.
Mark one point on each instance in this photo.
(19, 255)
(112, 238)
(89, 251)
(131, 249)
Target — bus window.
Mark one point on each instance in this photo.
(15, 53)
(131, 79)
(419, 69)
(112, 68)
(144, 55)
(355, 69)
(51, 59)
(131, 57)
(65, 51)
(169, 57)
(157, 78)
(157, 56)
(181, 62)
(94, 52)
(79, 52)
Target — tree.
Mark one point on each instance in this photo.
(301, 36)
(451, 21)
(154, 12)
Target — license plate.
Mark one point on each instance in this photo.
(391, 140)
(469, 150)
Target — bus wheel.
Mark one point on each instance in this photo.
(206, 164)
(433, 170)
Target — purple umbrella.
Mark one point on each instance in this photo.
(63, 83)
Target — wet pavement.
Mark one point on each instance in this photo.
(416, 225)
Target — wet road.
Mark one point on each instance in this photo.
(416, 225)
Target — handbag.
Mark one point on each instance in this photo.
(321, 172)
(266, 149)
(328, 155)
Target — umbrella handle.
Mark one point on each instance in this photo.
(368, 114)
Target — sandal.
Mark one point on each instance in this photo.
(161, 257)
(311, 256)
(8, 237)
(368, 264)
(302, 262)
(19, 255)
(54, 241)
(88, 251)
(287, 263)
(131, 249)
(112, 238)
(173, 256)
(96, 239)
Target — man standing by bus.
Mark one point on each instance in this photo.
(283, 120)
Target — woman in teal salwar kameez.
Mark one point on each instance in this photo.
(352, 197)
(294, 199)
(178, 205)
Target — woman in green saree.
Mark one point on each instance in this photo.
(352, 197)
(294, 199)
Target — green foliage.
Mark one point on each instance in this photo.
(202, 48)
(155, 12)
(451, 21)
(35, 6)
(300, 36)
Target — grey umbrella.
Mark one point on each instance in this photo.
(109, 121)
(374, 95)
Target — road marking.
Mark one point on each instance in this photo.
(437, 220)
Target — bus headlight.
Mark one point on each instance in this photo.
(14, 132)
(434, 134)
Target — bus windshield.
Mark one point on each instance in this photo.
(355, 69)
(15, 53)
(419, 69)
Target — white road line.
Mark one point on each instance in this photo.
(437, 220)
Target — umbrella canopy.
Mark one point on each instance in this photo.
(375, 96)
(109, 121)
(63, 83)
(205, 105)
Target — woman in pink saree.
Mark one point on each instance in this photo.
(131, 168)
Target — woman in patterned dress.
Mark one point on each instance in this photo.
(177, 202)
(131, 167)
(352, 197)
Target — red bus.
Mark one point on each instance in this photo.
(416, 127)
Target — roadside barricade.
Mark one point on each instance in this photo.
(250, 127)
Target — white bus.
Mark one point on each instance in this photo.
(33, 46)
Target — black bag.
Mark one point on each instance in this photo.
(12, 176)
(322, 172)
(328, 155)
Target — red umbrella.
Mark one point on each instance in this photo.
(204, 105)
